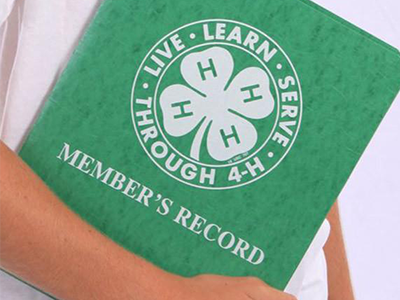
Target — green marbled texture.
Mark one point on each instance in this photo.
(349, 79)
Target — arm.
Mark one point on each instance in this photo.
(339, 282)
(46, 244)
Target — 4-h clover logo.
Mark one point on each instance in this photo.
(216, 104)
(221, 106)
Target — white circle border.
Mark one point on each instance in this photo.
(294, 137)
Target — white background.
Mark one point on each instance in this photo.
(370, 202)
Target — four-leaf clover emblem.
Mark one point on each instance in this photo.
(220, 108)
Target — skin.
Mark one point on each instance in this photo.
(49, 246)
(339, 282)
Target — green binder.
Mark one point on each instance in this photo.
(213, 136)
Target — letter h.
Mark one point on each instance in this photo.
(204, 69)
(251, 89)
(182, 111)
(226, 137)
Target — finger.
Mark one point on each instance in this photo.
(258, 290)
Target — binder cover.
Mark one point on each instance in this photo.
(213, 136)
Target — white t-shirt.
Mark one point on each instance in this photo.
(37, 37)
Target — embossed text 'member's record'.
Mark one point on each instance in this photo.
(213, 136)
